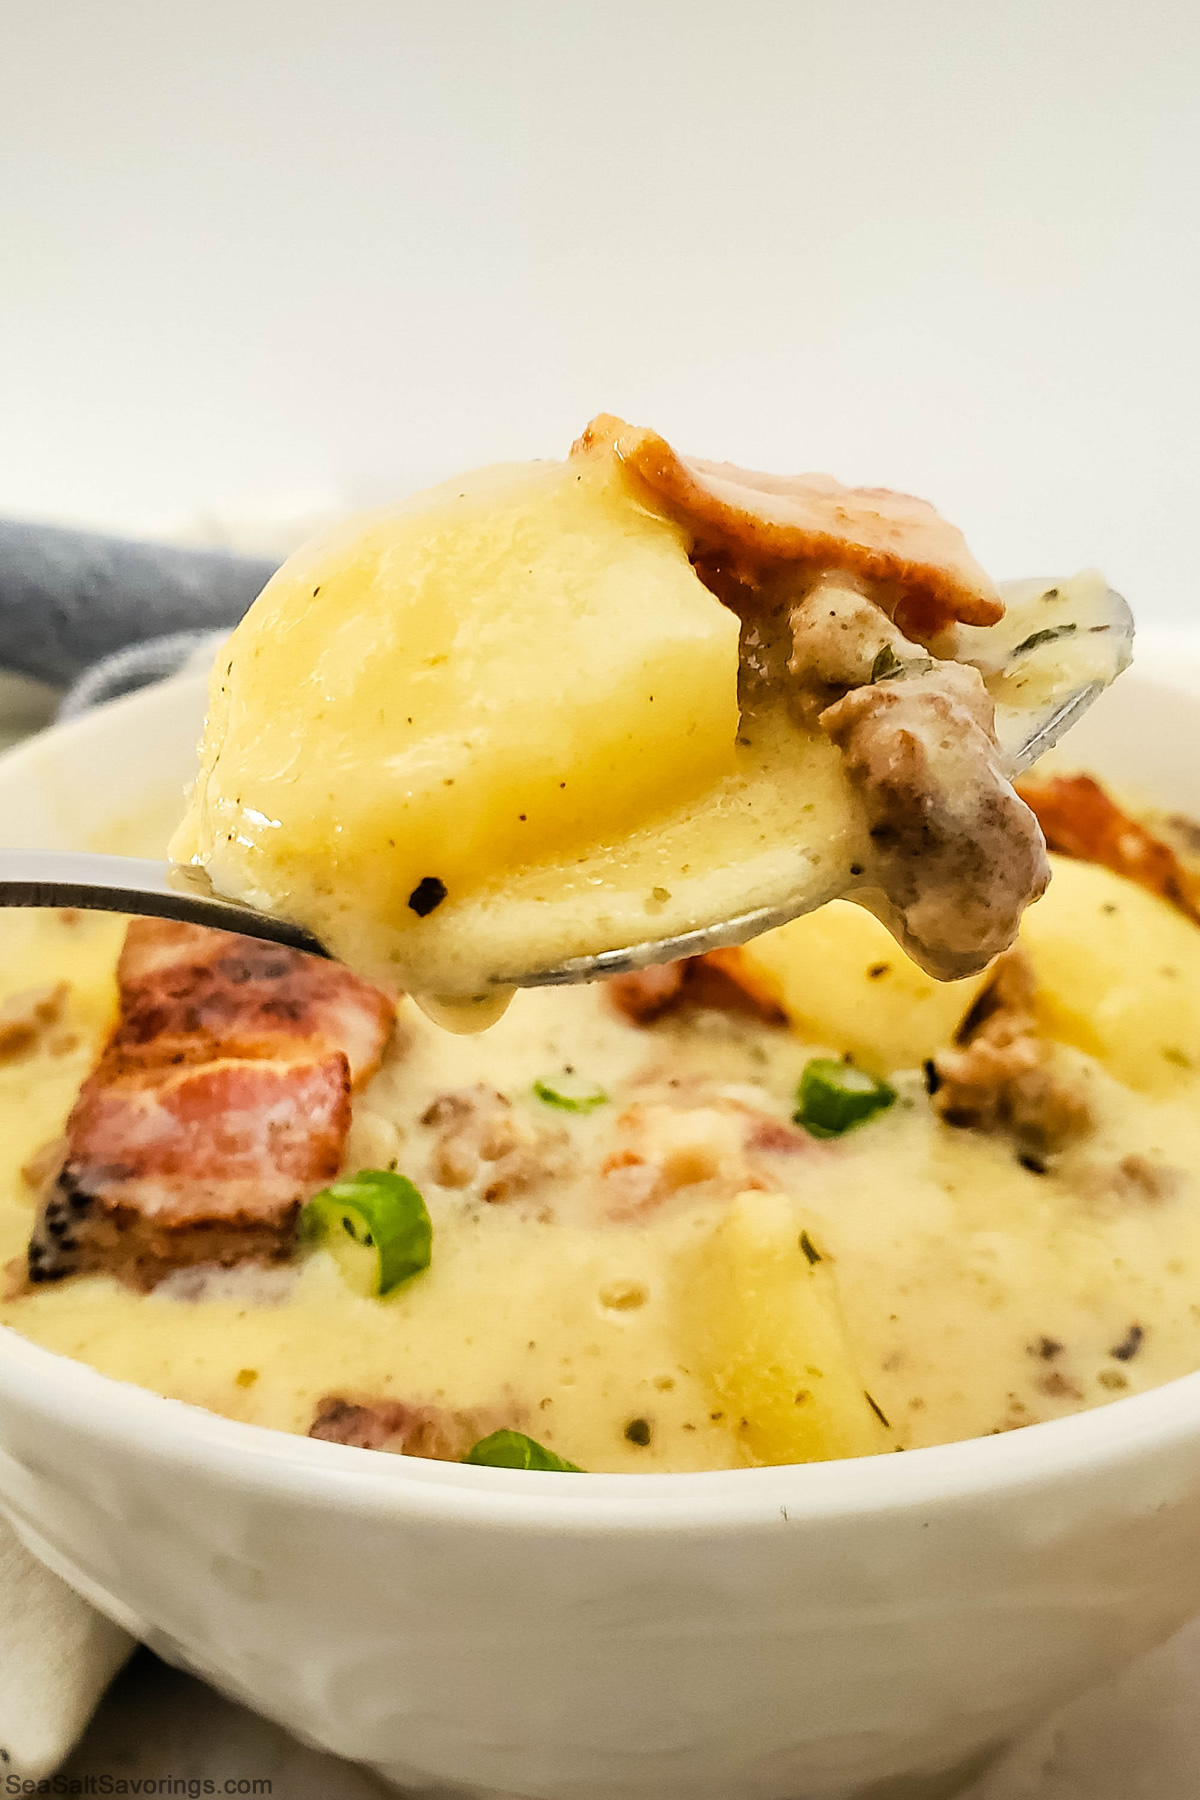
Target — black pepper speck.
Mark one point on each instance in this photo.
(1130, 1344)
(429, 893)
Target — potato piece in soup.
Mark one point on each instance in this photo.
(841, 977)
(1118, 975)
(771, 1339)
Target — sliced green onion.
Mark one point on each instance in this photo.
(834, 1096)
(377, 1226)
(570, 1094)
(887, 666)
(513, 1450)
(1049, 636)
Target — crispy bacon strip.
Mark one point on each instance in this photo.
(1080, 819)
(918, 565)
(219, 1105)
(187, 991)
(720, 979)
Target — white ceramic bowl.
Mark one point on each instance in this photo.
(872, 1628)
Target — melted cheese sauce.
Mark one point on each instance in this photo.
(977, 1294)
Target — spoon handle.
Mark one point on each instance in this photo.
(127, 884)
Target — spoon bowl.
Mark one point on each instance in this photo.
(1019, 660)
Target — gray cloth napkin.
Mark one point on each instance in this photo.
(70, 600)
(155, 659)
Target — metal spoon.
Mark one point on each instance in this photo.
(159, 890)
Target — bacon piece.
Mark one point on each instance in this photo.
(189, 991)
(693, 1135)
(918, 565)
(219, 1105)
(406, 1428)
(778, 1137)
(725, 981)
(1080, 819)
(646, 994)
(720, 979)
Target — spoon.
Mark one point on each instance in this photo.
(160, 890)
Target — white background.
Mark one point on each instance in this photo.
(264, 254)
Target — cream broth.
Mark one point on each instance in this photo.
(977, 1294)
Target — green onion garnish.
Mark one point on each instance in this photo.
(513, 1450)
(1049, 636)
(887, 666)
(377, 1226)
(570, 1094)
(835, 1096)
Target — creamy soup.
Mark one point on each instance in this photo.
(640, 1259)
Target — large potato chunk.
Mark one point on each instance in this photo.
(771, 1340)
(1118, 974)
(843, 981)
(497, 672)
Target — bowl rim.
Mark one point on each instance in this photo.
(153, 1428)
